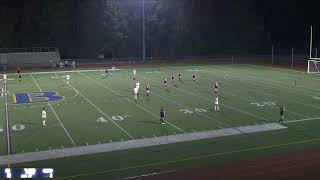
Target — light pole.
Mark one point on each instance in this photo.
(143, 34)
(311, 42)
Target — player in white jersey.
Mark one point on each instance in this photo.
(134, 74)
(216, 87)
(216, 104)
(138, 84)
(113, 69)
(68, 78)
(136, 91)
(44, 116)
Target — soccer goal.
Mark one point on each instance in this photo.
(313, 66)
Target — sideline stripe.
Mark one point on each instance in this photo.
(301, 120)
(54, 112)
(95, 106)
(8, 135)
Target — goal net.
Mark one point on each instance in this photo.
(313, 66)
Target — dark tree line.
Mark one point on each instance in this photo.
(84, 28)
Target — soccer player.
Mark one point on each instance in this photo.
(172, 78)
(106, 72)
(165, 82)
(148, 89)
(134, 74)
(216, 104)
(216, 87)
(19, 73)
(194, 76)
(44, 117)
(136, 90)
(282, 109)
(138, 84)
(73, 64)
(162, 115)
(113, 69)
(68, 78)
(179, 76)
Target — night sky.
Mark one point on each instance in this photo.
(82, 28)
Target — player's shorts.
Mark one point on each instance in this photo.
(19, 76)
(215, 89)
(148, 91)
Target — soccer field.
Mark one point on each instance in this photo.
(93, 109)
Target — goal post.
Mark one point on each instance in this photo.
(313, 66)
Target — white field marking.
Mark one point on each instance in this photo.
(250, 100)
(106, 87)
(56, 115)
(301, 120)
(257, 83)
(236, 109)
(7, 125)
(183, 106)
(150, 174)
(95, 106)
(317, 98)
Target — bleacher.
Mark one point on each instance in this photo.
(35, 56)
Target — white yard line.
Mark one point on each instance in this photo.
(131, 101)
(263, 85)
(252, 100)
(98, 109)
(302, 120)
(56, 115)
(186, 107)
(236, 109)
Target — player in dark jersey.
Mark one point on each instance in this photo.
(162, 115)
(194, 76)
(165, 82)
(179, 75)
(148, 89)
(19, 73)
(107, 71)
(172, 78)
(216, 87)
(282, 109)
